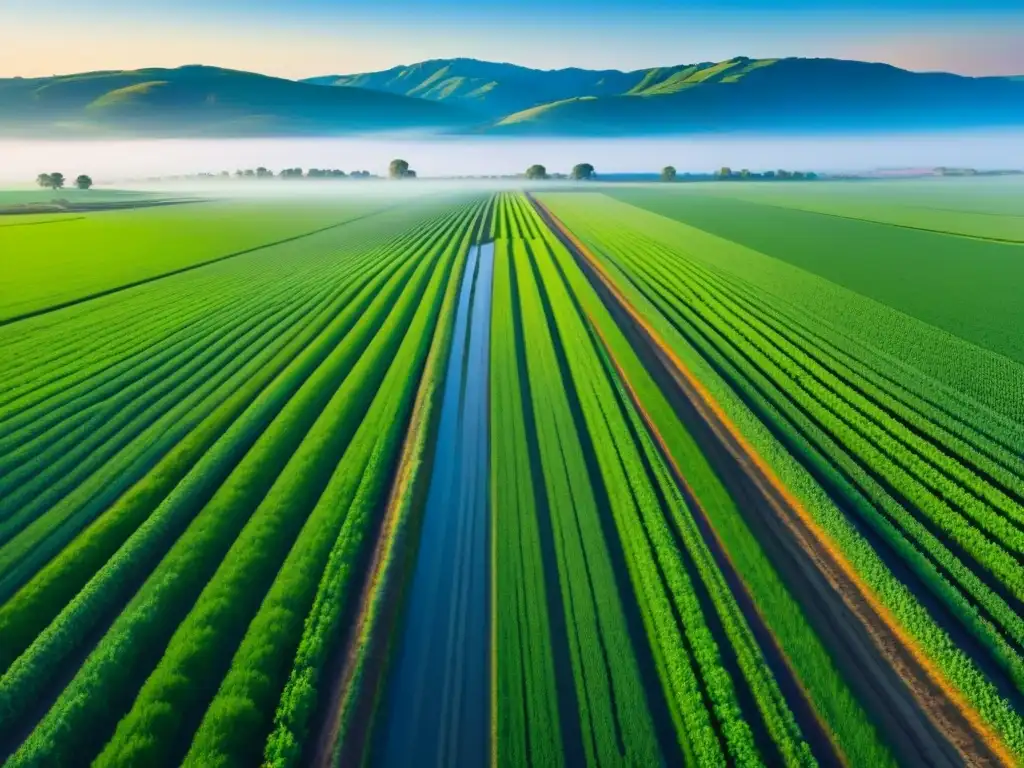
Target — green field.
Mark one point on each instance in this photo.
(965, 285)
(691, 474)
(143, 244)
(11, 197)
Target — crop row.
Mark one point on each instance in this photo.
(300, 615)
(609, 688)
(235, 425)
(57, 352)
(527, 730)
(802, 390)
(915, 491)
(647, 410)
(373, 635)
(670, 569)
(47, 594)
(281, 479)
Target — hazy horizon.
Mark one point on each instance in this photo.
(115, 161)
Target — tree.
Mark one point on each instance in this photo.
(582, 172)
(745, 173)
(668, 173)
(782, 174)
(725, 172)
(263, 173)
(50, 180)
(398, 169)
(410, 174)
(83, 182)
(536, 172)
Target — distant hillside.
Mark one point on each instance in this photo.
(204, 101)
(737, 94)
(473, 97)
(491, 90)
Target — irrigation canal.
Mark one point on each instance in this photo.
(437, 706)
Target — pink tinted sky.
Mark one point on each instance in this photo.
(301, 38)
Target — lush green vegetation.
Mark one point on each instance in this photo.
(142, 244)
(948, 510)
(558, 479)
(651, 523)
(257, 485)
(526, 716)
(964, 285)
(196, 100)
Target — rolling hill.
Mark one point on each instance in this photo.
(736, 94)
(476, 97)
(490, 89)
(204, 101)
(809, 95)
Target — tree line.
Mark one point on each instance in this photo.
(668, 173)
(585, 172)
(579, 172)
(399, 169)
(57, 181)
(290, 173)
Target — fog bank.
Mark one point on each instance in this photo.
(118, 161)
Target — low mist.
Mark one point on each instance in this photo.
(113, 162)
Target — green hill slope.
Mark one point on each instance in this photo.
(205, 101)
(469, 96)
(737, 94)
(489, 89)
(806, 95)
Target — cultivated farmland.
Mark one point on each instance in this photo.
(709, 474)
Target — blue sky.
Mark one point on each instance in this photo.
(297, 38)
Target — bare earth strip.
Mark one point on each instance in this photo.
(944, 707)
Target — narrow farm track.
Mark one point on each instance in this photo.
(918, 685)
